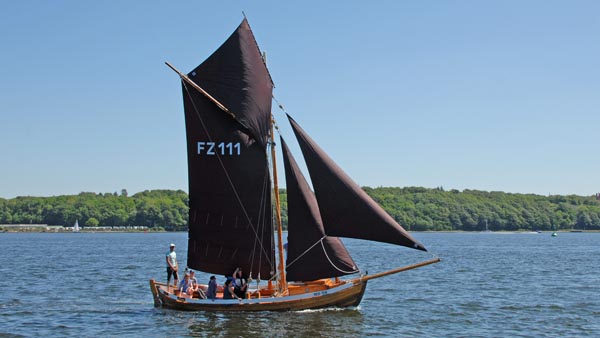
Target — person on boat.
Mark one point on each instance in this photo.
(193, 287)
(211, 292)
(184, 287)
(228, 291)
(240, 285)
(231, 279)
(172, 266)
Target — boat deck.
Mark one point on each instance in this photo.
(300, 296)
(262, 291)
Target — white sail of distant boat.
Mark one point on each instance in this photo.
(76, 226)
(486, 227)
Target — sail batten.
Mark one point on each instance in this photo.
(228, 169)
(311, 254)
(346, 210)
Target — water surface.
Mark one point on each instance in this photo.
(487, 285)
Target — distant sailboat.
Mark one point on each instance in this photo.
(233, 184)
(554, 233)
(486, 227)
(76, 226)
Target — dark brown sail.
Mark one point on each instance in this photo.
(229, 181)
(346, 210)
(311, 254)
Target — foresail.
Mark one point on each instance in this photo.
(229, 182)
(346, 210)
(311, 254)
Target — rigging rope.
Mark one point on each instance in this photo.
(279, 104)
(261, 222)
(332, 264)
(326, 255)
(306, 251)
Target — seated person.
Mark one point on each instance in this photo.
(193, 287)
(228, 292)
(211, 292)
(185, 284)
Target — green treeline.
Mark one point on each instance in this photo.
(417, 209)
(421, 209)
(158, 209)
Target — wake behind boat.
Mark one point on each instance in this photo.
(234, 204)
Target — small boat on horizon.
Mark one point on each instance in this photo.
(487, 230)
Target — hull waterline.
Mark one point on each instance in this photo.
(347, 294)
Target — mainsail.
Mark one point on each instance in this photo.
(229, 182)
(346, 210)
(311, 254)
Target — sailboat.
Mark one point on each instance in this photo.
(487, 230)
(234, 206)
(76, 226)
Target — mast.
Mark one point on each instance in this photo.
(282, 280)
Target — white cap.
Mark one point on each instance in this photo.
(172, 245)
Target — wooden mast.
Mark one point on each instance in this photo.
(282, 280)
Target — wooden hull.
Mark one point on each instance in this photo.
(324, 293)
(306, 296)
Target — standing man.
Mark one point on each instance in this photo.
(172, 265)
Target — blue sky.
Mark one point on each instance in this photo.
(487, 95)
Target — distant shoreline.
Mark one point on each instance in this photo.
(69, 229)
(81, 231)
(8, 228)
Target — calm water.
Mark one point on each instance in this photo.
(488, 285)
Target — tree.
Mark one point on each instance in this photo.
(92, 222)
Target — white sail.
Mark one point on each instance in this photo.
(76, 226)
